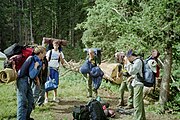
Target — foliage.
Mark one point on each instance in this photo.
(50, 18)
(117, 25)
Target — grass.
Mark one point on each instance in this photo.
(72, 87)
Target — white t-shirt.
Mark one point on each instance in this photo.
(53, 62)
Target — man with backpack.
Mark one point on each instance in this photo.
(26, 75)
(134, 67)
(54, 58)
(92, 71)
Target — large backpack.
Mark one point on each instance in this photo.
(92, 111)
(81, 112)
(97, 54)
(96, 110)
(18, 58)
(148, 75)
(13, 50)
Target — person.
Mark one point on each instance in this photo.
(92, 59)
(39, 91)
(134, 67)
(26, 75)
(152, 62)
(54, 58)
(126, 84)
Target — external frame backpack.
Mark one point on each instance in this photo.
(97, 54)
(148, 78)
(18, 58)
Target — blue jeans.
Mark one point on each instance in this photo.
(38, 94)
(24, 98)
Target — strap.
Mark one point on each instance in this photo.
(50, 54)
(138, 75)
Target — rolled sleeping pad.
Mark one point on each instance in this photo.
(8, 75)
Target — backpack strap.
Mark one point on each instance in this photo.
(138, 75)
(50, 54)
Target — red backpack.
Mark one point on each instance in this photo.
(19, 59)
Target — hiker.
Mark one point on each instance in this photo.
(91, 58)
(126, 84)
(54, 58)
(134, 67)
(26, 75)
(91, 71)
(152, 61)
(39, 91)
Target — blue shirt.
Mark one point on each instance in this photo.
(27, 69)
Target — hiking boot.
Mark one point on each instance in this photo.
(46, 101)
(129, 107)
(56, 100)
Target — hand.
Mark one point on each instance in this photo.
(125, 60)
(130, 79)
(36, 65)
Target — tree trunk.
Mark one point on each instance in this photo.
(19, 21)
(32, 38)
(165, 84)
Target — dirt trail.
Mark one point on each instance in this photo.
(63, 110)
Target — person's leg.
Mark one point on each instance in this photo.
(30, 101)
(130, 94)
(56, 77)
(122, 88)
(139, 113)
(35, 91)
(41, 98)
(89, 86)
(22, 99)
(46, 97)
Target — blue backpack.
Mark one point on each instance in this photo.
(148, 78)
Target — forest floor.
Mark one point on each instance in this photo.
(63, 109)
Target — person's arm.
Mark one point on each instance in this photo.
(34, 71)
(133, 69)
(47, 55)
(61, 59)
(25, 67)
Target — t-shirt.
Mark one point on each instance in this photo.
(54, 59)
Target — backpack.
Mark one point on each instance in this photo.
(81, 112)
(92, 111)
(13, 50)
(96, 110)
(148, 78)
(97, 54)
(18, 59)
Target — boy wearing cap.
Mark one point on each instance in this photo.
(134, 67)
(54, 58)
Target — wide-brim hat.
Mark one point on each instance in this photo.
(152, 64)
